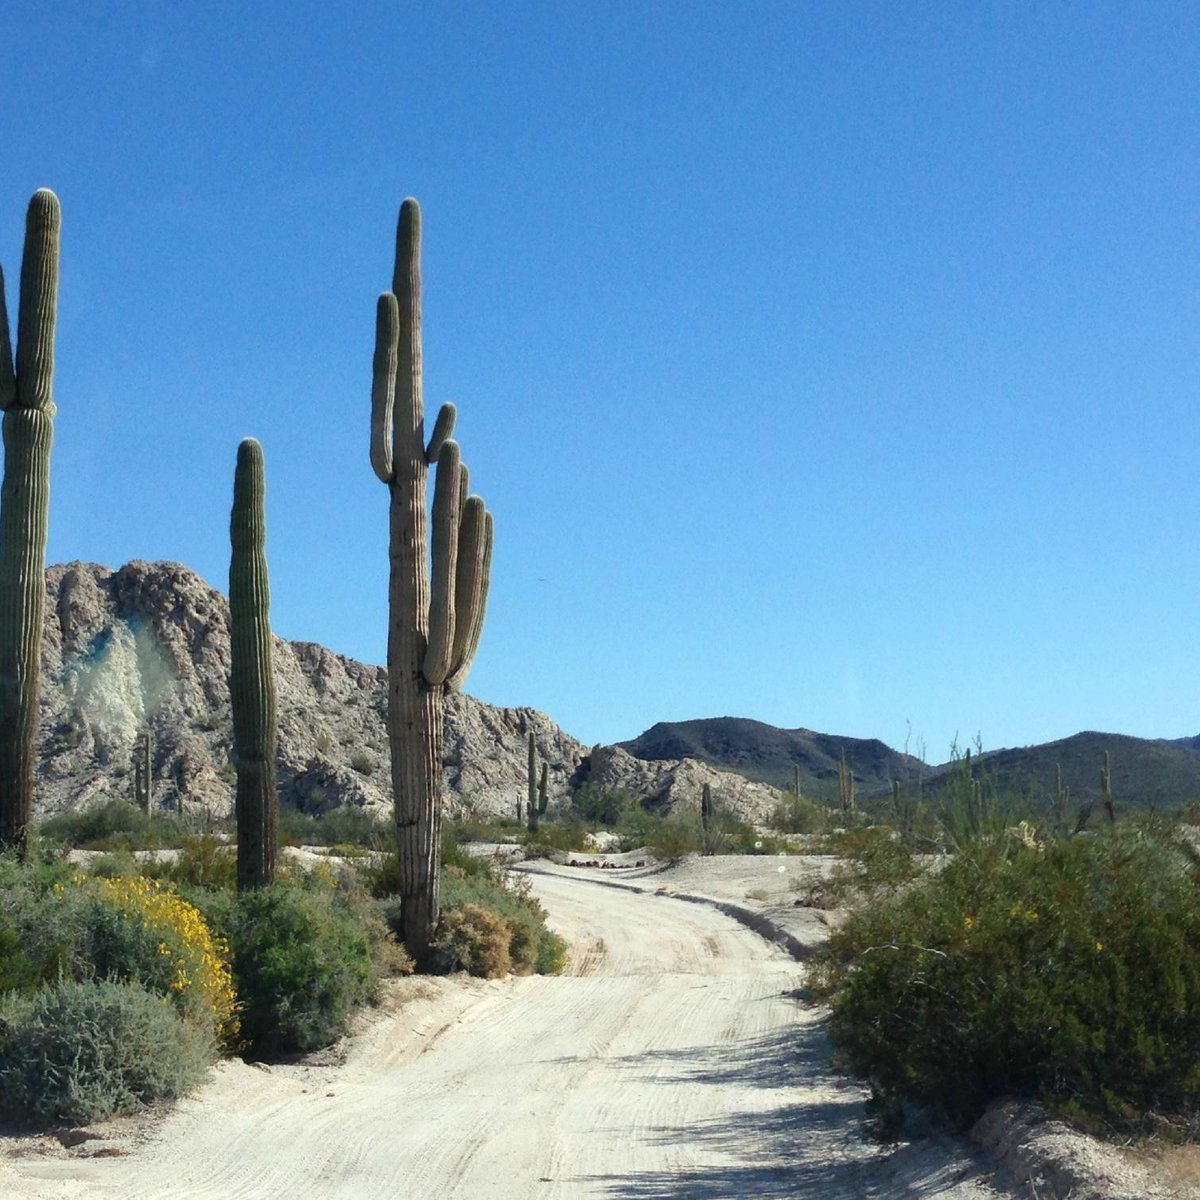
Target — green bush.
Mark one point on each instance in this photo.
(305, 954)
(106, 826)
(798, 814)
(81, 1051)
(122, 928)
(204, 861)
(347, 825)
(473, 939)
(533, 948)
(599, 805)
(674, 838)
(1066, 971)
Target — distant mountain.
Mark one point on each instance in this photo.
(771, 755)
(1146, 773)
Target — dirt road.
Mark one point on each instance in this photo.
(673, 1061)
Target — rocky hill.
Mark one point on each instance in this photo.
(148, 646)
(774, 756)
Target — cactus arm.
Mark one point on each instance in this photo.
(252, 676)
(468, 583)
(383, 384)
(445, 565)
(8, 377)
(464, 488)
(473, 622)
(443, 429)
(543, 789)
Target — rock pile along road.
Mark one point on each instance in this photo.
(672, 1060)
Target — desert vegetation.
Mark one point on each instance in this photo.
(1036, 953)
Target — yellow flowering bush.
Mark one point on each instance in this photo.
(188, 963)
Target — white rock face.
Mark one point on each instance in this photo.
(149, 645)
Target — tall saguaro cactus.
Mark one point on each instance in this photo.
(252, 676)
(435, 616)
(27, 400)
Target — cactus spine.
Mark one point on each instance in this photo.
(27, 400)
(252, 680)
(537, 795)
(435, 618)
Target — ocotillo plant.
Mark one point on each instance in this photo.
(537, 798)
(27, 400)
(251, 674)
(434, 623)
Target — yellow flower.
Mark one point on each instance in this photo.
(968, 922)
(1099, 947)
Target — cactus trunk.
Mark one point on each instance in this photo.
(26, 396)
(252, 678)
(433, 628)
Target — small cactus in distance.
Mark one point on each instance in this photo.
(27, 400)
(846, 782)
(707, 812)
(537, 788)
(252, 676)
(1106, 788)
(143, 771)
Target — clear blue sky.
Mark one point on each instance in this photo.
(835, 365)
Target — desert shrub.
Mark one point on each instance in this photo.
(116, 824)
(878, 863)
(568, 836)
(598, 805)
(637, 827)
(1066, 971)
(204, 861)
(798, 814)
(674, 838)
(305, 953)
(81, 1051)
(473, 939)
(533, 948)
(121, 928)
(347, 825)
(362, 762)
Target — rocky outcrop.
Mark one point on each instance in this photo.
(665, 785)
(148, 646)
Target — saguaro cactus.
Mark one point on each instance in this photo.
(538, 788)
(143, 772)
(27, 400)
(252, 676)
(434, 622)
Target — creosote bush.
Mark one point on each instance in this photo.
(1063, 970)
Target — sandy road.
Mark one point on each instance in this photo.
(673, 1061)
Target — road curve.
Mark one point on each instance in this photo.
(672, 1061)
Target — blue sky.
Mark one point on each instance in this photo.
(829, 364)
